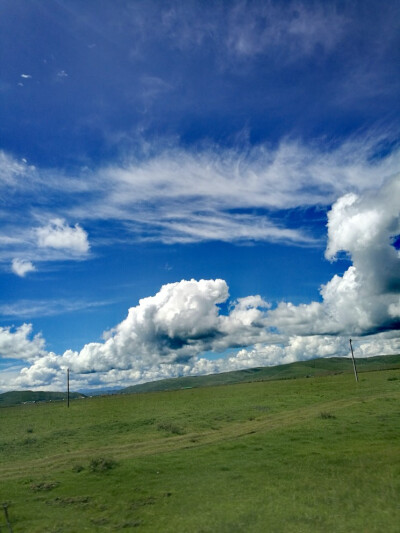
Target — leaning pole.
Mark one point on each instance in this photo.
(354, 362)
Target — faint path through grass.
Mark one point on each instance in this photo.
(234, 430)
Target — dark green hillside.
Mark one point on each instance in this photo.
(27, 396)
(300, 369)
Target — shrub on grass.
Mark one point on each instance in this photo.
(134, 523)
(102, 464)
(79, 501)
(28, 441)
(44, 486)
(326, 416)
(170, 428)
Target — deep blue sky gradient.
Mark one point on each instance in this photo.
(86, 85)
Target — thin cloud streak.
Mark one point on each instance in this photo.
(40, 308)
(291, 31)
(179, 196)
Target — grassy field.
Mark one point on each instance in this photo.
(300, 455)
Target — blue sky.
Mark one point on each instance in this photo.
(194, 187)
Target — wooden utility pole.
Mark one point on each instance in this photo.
(67, 387)
(5, 508)
(354, 362)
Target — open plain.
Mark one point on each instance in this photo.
(295, 455)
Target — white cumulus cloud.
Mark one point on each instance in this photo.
(16, 343)
(365, 299)
(181, 321)
(172, 327)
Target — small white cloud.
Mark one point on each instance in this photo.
(60, 236)
(26, 76)
(21, 267)
(62, 74)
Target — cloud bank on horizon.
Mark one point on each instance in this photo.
(238, 161)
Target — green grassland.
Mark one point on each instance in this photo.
(296, 455)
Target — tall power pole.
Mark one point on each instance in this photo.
(67, 387)
(354, 362)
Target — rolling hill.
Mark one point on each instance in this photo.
(8, 399)
(299, 369)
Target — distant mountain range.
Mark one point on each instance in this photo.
(300, 369)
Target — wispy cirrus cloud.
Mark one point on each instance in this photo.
(291, 175)
(15, 174)
(28, 309)
(181, 195)
(292, 30)
(212, 194)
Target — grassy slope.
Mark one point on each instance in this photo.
(17, 397)
(293, 456)
(314, 367)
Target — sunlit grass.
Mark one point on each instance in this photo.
(317, 454)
